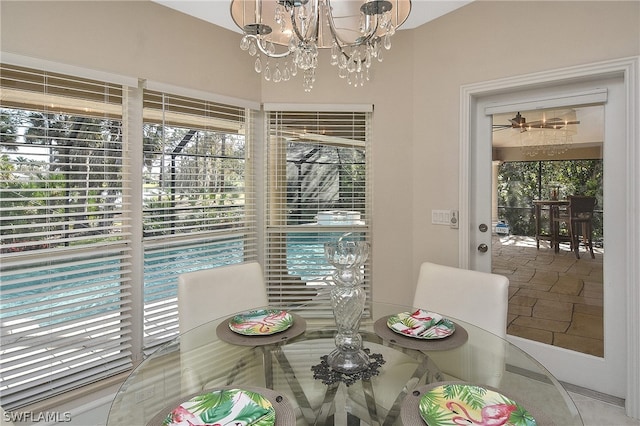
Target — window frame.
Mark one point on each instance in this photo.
(206, 125)
(55, 339)
(131, 294)
(304, 284)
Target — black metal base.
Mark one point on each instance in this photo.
(329, 376)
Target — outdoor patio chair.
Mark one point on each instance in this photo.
(578, 219)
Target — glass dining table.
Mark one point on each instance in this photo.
(464, 376)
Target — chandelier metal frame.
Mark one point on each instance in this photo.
(356, 31)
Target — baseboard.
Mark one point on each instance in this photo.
(610, 399)
(590, 393)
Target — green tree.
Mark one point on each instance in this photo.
(521, 182)
(79, 179)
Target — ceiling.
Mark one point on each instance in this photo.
(217, 11)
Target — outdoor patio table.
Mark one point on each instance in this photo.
(553, 207)
(288, 369)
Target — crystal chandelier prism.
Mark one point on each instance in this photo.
(548, 137)
(285, 35)
(547, 142)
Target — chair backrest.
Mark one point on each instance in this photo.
(212, 293)
(581, 206)
(479, 298)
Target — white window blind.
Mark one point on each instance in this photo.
(65, 242)
(198, 198)
(318, 188)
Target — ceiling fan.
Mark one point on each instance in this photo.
(519, 122)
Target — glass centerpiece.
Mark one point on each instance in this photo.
(347, 300)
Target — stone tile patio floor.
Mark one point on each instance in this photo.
(554, 298)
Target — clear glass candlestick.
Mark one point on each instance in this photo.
(347, 300)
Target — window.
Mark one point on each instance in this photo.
(198, 207)
(317, 177)
(101, 209)
(65, 244)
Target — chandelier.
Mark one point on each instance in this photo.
(356, 31)
(550, 142)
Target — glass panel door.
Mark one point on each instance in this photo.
(544, 162)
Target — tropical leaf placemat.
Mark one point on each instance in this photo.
(262, 322)
(456, 403)
(237, 407)
(228, 405)
(459, 338)
(224, 332)
(461, 403)
(421, 324)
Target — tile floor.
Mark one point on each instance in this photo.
(554, 298)
(595, 412)
(557, 299)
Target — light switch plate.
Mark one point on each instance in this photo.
(440, 217)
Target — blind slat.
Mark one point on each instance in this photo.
(316, 164)
(198, 201)
(65, 246)
(55, 349)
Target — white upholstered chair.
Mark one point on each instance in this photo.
(204, 296)
(212, 293)
(479, 298)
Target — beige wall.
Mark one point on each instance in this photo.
(488, 40)
(390, 91)
(132, 38)
(415, 91)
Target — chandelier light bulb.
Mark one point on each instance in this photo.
(290, 32)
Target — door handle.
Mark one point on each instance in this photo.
(482, 248)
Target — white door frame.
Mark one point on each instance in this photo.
(630, 279)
